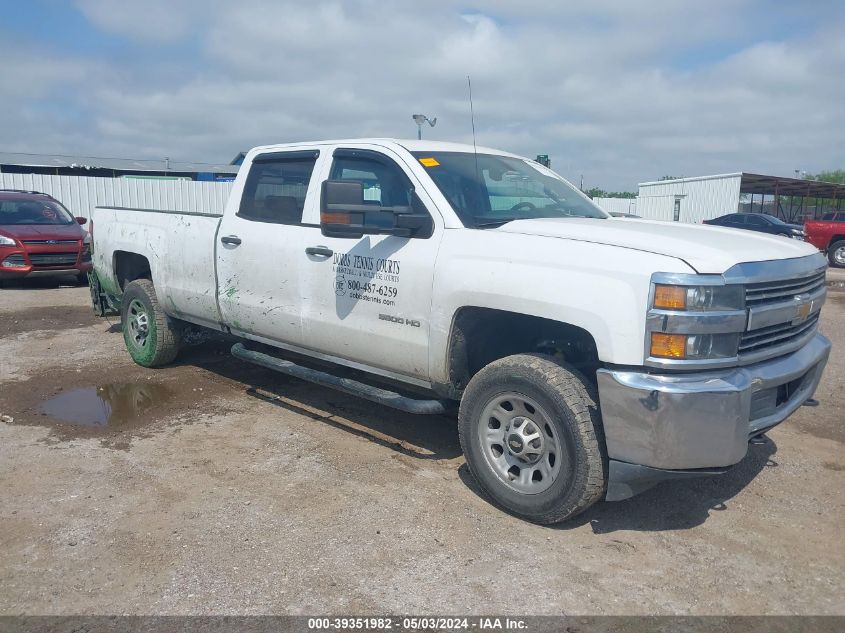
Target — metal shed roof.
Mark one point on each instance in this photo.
(778, 186)
(770, 185)
(117, 164)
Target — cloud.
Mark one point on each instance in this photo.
(619, 92)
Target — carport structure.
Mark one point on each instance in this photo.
(790, 198)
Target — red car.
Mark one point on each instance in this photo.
(39, 237)
(828, 235)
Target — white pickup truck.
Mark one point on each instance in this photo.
(592, 357)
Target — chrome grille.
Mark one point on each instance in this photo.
(758, 294)
(53, 259)
(776, 335)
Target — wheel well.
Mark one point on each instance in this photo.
(481, 335)
(129, 267)
(835, 239)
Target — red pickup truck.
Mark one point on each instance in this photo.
(828, 235)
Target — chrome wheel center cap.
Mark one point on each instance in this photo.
(524, 440)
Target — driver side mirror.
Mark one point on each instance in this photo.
(345, 213)
(80, 220)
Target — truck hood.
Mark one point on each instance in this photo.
(707, 249)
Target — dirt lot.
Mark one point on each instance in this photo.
(217, 487)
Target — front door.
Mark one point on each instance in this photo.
(260, 247)
(369, 298)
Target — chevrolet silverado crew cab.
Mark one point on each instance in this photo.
(590, 358)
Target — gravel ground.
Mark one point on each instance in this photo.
(215, 487)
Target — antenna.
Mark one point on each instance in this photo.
(472, 119)
(471, 113)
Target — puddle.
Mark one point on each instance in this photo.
(106, 405)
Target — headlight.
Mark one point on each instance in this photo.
(693, 346)
(86, 239)
(698, 298)
(7, 241)
(696, 319)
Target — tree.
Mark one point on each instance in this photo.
(836, 176)
(595, 192)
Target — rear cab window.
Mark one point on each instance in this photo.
(276, 187)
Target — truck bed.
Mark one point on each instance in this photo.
(179, 250)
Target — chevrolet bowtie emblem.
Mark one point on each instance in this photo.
(804, 310)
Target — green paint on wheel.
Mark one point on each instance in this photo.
(151, 337)
(140, 333)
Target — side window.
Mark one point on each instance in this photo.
(384, 183)
(737, 220)
(755, 221)
(276, 186)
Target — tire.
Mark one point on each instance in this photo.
(151, 337)
(836, 254)
(560, 406)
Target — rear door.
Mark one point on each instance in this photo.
(369, 298)
(761, 225)
(260, 247)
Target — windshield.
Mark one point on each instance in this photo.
(489, 190)
(30, 211)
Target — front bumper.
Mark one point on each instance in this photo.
(703, 420)
(44, 260)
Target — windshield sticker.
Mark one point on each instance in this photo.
(366, 278)
(429, 162)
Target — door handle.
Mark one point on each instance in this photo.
(319, 250)
(234, 240)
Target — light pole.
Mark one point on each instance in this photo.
(419, 119)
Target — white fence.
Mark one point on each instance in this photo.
(617, 205)
(80, 194)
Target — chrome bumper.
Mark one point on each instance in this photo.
(703, 420)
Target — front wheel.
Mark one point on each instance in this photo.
(531, 432)
(836, 254)
(151, 337)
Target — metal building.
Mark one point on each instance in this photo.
(81, 194)
(75, 165)
(84, 182)
(693, 200)
(617, 205)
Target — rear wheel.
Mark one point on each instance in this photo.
(151, 337)
(531, 432)
(836, 254)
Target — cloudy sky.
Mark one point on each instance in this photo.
(616, 90)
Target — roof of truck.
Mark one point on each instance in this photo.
(412, 145)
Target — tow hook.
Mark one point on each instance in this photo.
(757, 440)
(810, 402)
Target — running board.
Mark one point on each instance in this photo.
(346, 385)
